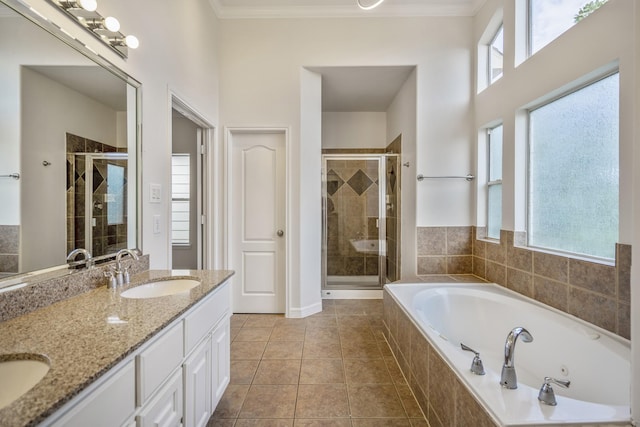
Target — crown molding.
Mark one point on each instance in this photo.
(386, 10)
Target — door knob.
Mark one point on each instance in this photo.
(280, 233)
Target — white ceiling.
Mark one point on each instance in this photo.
(341, 8)
(361, 88)
(92, 81)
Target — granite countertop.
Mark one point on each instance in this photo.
(85, 336)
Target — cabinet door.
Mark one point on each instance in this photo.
(197, 386)
(165, 409)
(221, 363)
(110, 404)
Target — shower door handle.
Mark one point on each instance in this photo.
(280, 233)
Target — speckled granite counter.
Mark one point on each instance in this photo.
(88, 334)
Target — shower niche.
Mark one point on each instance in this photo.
(360, 220)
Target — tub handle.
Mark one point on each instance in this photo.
(476, 365)
(546, 394)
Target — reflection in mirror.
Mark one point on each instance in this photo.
(69, 128)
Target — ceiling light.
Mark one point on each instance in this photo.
(371, 6)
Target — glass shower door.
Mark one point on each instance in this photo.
(354, 223)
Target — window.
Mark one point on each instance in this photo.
(180, 198)
(496, 54)
(550, 18)
(573, 171)
(494, 183)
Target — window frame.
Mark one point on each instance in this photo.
(528, 171)
(490, 79)
(490, 183)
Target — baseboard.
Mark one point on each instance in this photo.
(305, 311)
(352, 294)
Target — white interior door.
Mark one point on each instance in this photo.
(257, 238)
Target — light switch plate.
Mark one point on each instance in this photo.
(156, 224)
(155, 193)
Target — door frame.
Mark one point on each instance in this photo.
(206, 181)
(229, 132)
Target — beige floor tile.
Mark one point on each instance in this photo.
(277, 372)
(321, 322)
(231, 401)
(419, 422)
(408, 401)
(328, 333)
(242, 371)
(234, 333)
(323, 422)
(253, 334)
(262, 320)
(288, 333)
(321, 349)
(355, 349)
(237, 320)
(322, 371)
(356, 333)
(366, 371)
(381, 422)
(322, 401)
(394, 370)
(283, 350)
(354, 321)
(290, 321)
(373, 400)
(270, 401)
(247, 350)
(264, 423)
(221, 422)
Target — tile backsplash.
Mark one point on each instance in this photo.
(595, 292)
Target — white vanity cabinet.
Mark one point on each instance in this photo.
(175, 379)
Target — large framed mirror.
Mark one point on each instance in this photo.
(69, 147)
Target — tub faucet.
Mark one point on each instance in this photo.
(71, 258)
(508, 379)
(122, 276)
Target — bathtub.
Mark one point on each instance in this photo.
(481, 315)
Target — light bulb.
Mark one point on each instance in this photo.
(90, 5)
(111, 24)
(132, 42)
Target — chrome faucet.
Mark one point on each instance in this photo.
(122, 276)
(71, 258)
(508, 379)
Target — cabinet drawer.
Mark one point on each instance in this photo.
(165, 409)
(110, 404)
(156, 362)
(205, 316)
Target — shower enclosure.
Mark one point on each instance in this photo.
(360, 220)
(97, 202)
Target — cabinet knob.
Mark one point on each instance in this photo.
(280, 233)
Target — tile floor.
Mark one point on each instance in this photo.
(330, 369)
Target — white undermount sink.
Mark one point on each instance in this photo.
(19, 373)
(160, 288)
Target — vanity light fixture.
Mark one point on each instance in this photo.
(369, 7)
(88, 5)
(84, 12)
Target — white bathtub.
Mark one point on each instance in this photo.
(481, 315)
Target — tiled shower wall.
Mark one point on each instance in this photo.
(9, 249)
(597, 293)
(352, 213)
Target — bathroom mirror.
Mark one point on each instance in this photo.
(69, 152)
